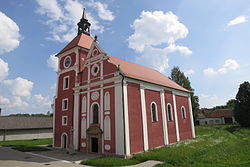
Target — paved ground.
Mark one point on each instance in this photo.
(53, 158)
(13, 158)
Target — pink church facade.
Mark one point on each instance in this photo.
(107, 105)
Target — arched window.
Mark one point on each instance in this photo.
(154, 112)
(64, 140)
(84, 128)
(107, 101)
(107, 135)
(84, 104)
(170, 115)
(183, 112)
(95, 110)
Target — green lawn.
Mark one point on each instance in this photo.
(26, 142)
(27, 145)
(214, 146)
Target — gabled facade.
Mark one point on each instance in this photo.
(108, 105)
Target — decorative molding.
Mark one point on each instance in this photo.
(95, 69)
(95, 96)
(107, 147)
(84, 144)
(106, 113)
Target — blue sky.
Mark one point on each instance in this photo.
(208, 40)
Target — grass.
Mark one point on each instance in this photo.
(218, 145)
(27, 145)
(26, 142)
(109, 162)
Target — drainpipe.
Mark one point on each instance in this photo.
(123, 115)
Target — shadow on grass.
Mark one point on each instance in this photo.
(232, 129)
(28, 148)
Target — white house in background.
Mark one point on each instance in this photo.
(216, 117)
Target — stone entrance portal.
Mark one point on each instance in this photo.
(94, 139)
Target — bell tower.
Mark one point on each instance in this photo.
(83, 24)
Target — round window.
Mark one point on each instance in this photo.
(67, 62)
(94, 69)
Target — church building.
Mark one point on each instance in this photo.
(107, 105)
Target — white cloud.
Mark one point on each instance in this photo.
(237, 20)
(155, 34)
(155, 28)
(10, 36)
(189, 72)
(41, 100)
(63, 16)
(52, 62)
(102, 10)
(19, 86)
(209, 101)
(229, 65)
(4, 69)
(18, 104)
(4, 101)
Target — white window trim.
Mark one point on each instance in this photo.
(64, 61)
(64, 124)
(156, 111)
(84, 128)
(64, 83)
(185, 114)
(107, 101)
(64, 109)
(107, 128)
(171, 111)
(64, 133)
(91, 113)
(84, 106)
(93, 68)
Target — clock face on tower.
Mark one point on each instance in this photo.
(67, 62)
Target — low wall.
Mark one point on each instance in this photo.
(24, 134)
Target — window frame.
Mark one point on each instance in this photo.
(171, 112)
(63, 118)
(92, 113)
(64, 83)
(156, 112)
(107, 101)
(65, 99)
(183, 112)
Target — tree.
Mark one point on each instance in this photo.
(230, 105)
(242, 105)
(180, 78)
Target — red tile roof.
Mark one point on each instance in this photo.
(145, 74)
(81, 40)
(220, 113)
(129, 69)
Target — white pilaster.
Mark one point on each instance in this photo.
(76, 120)
(176, 119)
(88, 105)
(126, 118)
(119, 129)
(101, 107)
(191, 116)
(164, 121)
(144, 118)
